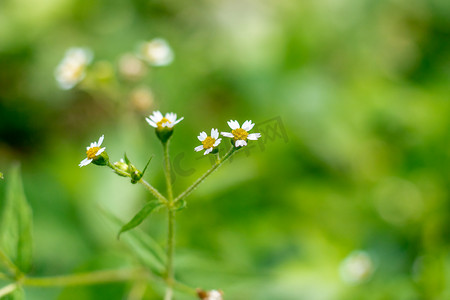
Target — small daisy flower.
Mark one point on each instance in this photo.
(209, 143)
(159, 121)
(93, 153)
(72, 69)
(239, 134)
(156, 52)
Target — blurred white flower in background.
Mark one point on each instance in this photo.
(72, 69)
(356, 268)
(210, 295)
(156, 52)
(142, 99)
(131, 67)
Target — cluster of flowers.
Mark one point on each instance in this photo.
(164, 128)
(72, 68)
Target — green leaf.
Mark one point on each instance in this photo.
(16, 222)
(145, 169)
(143, 246)
(180, 205)
(127, 161)
(140, 216)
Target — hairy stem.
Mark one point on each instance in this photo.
(170, 253)
(152, 190)
(203, 177)
(170, 274)
(167, 171)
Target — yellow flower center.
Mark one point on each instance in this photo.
(91, 153)
(163, 120)
(208, 142)
(239, 134)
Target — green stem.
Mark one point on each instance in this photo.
(86, 278)
(167, 171)
(170, 253)
(8, 289)
(152, 190)
(203, 177)
(170, 274)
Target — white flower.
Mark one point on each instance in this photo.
(208, 142)
(92, 152)
(157, 52)
(356, 268)
(241, 135)
(214, 295)
(159, 121)
(72, 69)
(210, 295)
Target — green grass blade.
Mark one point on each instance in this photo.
(16, 222)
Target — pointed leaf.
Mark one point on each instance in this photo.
(140, 216)
(127, 161)
(16, 222)
(143, 171)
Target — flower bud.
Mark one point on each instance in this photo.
(135, 174)
(121, 168)
(164, 134)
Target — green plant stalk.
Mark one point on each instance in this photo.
(170, 253)
(207, 173)
(154, 191)
(170, 273)
(91, 278)
(167, 172)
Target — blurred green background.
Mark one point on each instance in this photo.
(345, 197)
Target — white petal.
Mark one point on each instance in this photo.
(207, 151)
(233, 124)
(85, 162)
(227, 134)
(214, 133)
(171, 117)
(167, 124)
(87, 148)
(240, 143)
(217, 142)
(94, 144)
(100, 151)
(254, 136)
(178, 121)
(156, 116)
(202, 136)
(152, 123)
(198, 148)
(100, 140)
(248, 125)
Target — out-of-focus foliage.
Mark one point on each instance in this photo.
(347, 197)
